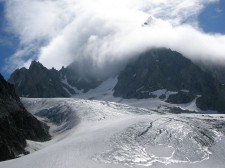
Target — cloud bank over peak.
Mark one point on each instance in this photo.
(102, 35)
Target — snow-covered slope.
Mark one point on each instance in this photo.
(105, 91)
(92, 133)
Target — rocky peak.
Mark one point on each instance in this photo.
(149, 21)
(38, 81)
(35, 64)
(36, 68)
(166, 69)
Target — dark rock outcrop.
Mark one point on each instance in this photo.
(16, 124)
(167, 69)
(216, 70)
(40, 82)
(181, 98)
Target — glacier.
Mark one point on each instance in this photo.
(99, 133)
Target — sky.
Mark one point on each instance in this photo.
(103, 35)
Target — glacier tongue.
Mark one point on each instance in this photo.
(99, 134)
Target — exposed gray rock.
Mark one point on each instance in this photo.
(167, 69)
(16, 124)
(40, 82)
(181, 98)
(215, 69)
(37, 81)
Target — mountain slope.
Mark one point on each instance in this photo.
(165, 69)
(16, 124)
(40, 82)
(76, 77)
(37, 81)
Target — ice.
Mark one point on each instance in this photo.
(187, 142)
(99, 134)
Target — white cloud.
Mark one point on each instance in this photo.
(104, 34)
(34, 20)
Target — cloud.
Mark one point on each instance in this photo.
(102, 35)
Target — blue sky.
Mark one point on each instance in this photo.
(210, 20)
(8, 42)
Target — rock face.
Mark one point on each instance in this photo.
(80, 80)
(218, 71)
(16, 124)
(166, 69)
(37, 81)
(40, 82)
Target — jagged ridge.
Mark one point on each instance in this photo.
(40, 82)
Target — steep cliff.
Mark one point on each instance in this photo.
(16, 124)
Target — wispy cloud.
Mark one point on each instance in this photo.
(104, 34)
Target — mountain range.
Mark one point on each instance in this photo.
(153, 70)
(153, 112)
(38, 81)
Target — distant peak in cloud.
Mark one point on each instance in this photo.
(149, 21)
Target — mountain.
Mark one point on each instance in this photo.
(121, 129)
(149, 21)
(166, 69)
(182, 80)
(38, 81)
(75, 76)
(17, 125)
(218, 71)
